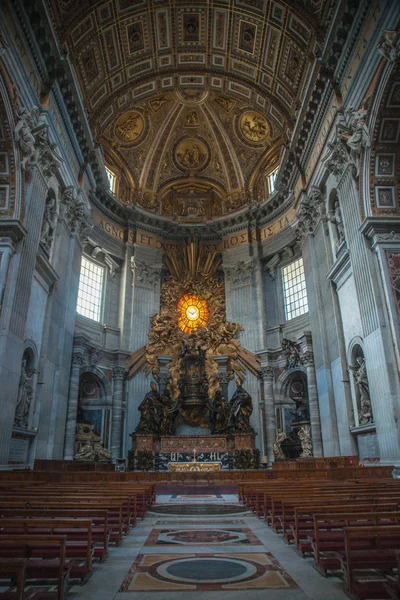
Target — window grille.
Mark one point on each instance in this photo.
(90, 290)
(294, 289)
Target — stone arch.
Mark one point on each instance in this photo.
(285, 405)
(354, 351)
(382, 160)
(25, 402)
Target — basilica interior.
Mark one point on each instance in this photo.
(199, 298)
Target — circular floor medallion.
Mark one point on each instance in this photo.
(211, 570)
(198, 509)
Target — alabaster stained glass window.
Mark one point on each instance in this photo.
(193, 313)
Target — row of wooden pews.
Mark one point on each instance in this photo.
(350, 528)
(51, 534)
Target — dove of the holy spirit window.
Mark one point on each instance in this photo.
(193, 313)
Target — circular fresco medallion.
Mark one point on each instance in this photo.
(130, 126)
(191, 154)
(254, 126)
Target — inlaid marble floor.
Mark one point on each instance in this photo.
(206, 545)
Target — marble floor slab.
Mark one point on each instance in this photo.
(205, 559)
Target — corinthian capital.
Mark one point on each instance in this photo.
(119, 373)
(78, 359)
(266, 373)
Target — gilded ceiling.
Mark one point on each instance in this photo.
(192, 100)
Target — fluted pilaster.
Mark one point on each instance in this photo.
(267, 383)
(116, 424)
(315, 421)
(70, 429)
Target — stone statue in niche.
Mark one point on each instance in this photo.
(49, 223)
(304, 435)
(241, 407)
(292, 352)
(361, 379)
(278, 452)
(90, 445)
(102, 454)
(336, 218)
(85, 452)
(25, 396)
(149, 408)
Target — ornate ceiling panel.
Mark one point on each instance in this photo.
(202, 91)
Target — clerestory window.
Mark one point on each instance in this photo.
(294, 289)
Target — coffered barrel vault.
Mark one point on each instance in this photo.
(203, 93)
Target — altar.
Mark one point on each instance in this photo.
(179, 467)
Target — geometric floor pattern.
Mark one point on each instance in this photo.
(205, 573)
(198, 537)
(202, 544)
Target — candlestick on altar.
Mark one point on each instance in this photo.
(194, 455)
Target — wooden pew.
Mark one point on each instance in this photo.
(392, 583)
(303, 525)
(329, 537)
(12, 572)
(78, 534)
(99, 518)
(365, 570)
(114, 511)
(55, 571)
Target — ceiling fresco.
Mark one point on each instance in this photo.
(192, 102)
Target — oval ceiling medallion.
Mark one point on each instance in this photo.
(191, 154)
(130, 127)
(254, 126)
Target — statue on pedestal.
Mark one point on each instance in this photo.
(304, 435)
(361, 378)
(335, 217)
(241, 408)
(25, 396)
(150, 409)
(278, 452)
(85, 452)
(90, 445)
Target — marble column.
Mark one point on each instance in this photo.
(313, 407)
(118, 374)
(267, 383)
(70, 429)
